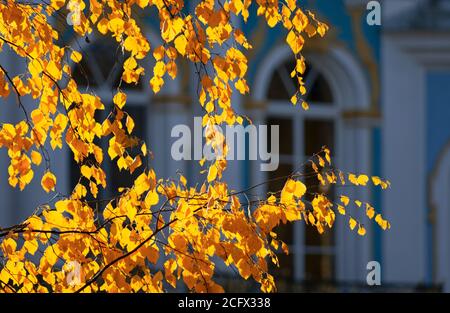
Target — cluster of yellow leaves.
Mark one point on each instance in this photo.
(115, 241)
(328, 176)
(13, 138)
(321, 211)
(193, 36)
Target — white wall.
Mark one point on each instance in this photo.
(403, 142)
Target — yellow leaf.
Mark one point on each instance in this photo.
(381, 222)
(295, 42)
(159, 69)
(370, 212)
(144, 149)
(156, 83)
(131, 44)
(353, 179)
(212, 173)
(292, 214)
(151, 253)
(361, 230)
(129, 124)
(137, 162)
(116, 25)
(53, 70)
(183, 180)
(57, 4)
(131, 212)
(102, 26)
(300, 65)
(9, 245)
(244, 268)
(362, 180)
(294, 99)
(151, 198)
(180, 44)
(119, 99)
(50, 255)
(285, 248)
(76, 56)
(171, 52)
(172, 69)
(169, 267)
(79, 191)
(378, 181)
(48, 181)
(341, 210)
(378, 218)
(311, 218)
(31, 246)
(158, 53)
(352, 223)
(241, 86)
(36, 157)
(171, 28)
(122, 163)
(94, 189)
(287, 192)
(302, 89)
(35, 67)
(345, 200)
(142, 3)
(300, 189)
(291, 4)
(305, 106)
(86, 171)
(327, 155)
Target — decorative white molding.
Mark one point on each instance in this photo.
(347, 79)
(430, 50)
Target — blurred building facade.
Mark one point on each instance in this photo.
(379, 98)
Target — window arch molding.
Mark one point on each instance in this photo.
(347, 79)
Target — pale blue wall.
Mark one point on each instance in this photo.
(438, 134)
(438, 114)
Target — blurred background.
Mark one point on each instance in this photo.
(379, 97)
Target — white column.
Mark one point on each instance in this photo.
(403, 141)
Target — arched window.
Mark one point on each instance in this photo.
(336, 85)
(303, 133)
(100, 73)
